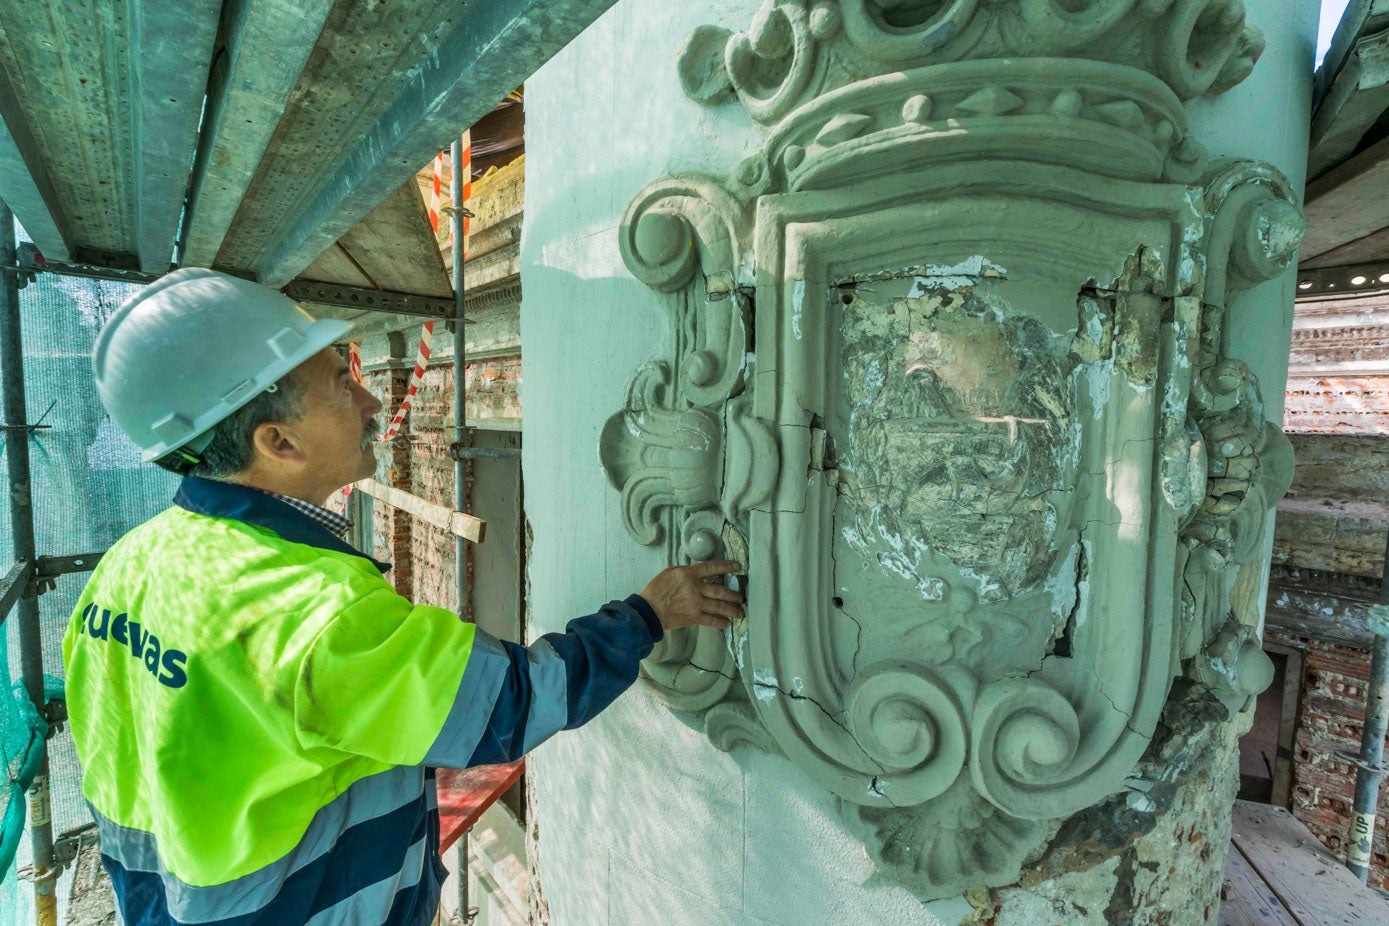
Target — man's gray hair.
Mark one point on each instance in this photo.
(231, 449)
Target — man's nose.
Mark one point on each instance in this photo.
(372, 402)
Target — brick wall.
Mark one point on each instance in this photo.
(494, 393)
(431, 478)
(1330, 719)
(391, 529)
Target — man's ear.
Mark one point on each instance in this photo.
(275, 442)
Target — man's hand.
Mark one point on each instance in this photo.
(684, 595)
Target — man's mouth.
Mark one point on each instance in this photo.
(370, 436)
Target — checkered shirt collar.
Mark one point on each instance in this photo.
(330, 521)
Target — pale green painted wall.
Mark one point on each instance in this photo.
(641, 820)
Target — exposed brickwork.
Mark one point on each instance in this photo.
(1330, 720)
(431, 478)
(391, 529)
(494, 393)
(1330, 404)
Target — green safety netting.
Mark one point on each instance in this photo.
(88, 488)
(22, 732)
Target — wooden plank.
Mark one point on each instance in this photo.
(455, 522)
(1370, 248)
(1245, 898)
(1315, 888)
(394, 246)
(1355, 101)
(465, 794)
(1302, 608)
(1347, 203)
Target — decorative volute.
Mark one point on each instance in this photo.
(948, 371)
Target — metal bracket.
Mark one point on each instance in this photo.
(369, 300)
(31, 262)
(1349, 280)
(47, 569)
(65, 849)
(25, 275)
(56, 713)
(458, 451)
(1354, 759)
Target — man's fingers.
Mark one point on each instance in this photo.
(717, 567)
(720, 593)
(721, 608)
(713, 620)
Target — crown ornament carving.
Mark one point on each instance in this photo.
(845, 89)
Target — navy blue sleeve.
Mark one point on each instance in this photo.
(561, 681)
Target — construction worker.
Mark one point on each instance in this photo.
(256, 710)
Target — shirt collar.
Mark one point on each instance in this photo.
(263, 509)
(335, 523)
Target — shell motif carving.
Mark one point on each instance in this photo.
(923, 343)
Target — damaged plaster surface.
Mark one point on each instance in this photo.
(956, 425)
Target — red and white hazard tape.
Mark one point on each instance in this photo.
(416, 377)
(427, 332)
(354, 362)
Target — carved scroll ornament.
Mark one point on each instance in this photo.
(948, 370)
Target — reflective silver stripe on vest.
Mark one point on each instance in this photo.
(366, 799)
(472, 706)
(549, 708)
(365, 908)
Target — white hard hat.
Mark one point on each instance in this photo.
(193, 347)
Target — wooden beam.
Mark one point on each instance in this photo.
(459, 523)
(1347, 203)
(1352, 105)
(1305, 610)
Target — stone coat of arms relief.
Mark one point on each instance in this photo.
(948, 370)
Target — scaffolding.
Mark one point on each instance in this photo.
(75, 485)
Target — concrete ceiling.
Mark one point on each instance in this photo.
(283, 127)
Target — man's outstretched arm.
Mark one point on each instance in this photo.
(406, 684)
(563, 680)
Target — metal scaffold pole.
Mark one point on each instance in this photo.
(1369, 764)
(460, 466)
(45, 868)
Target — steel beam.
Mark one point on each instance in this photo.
(372, 300)
(1350, 280)
(25, 183)
(246, 97)
(31, 260)
(170, 48)
(490, 49)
